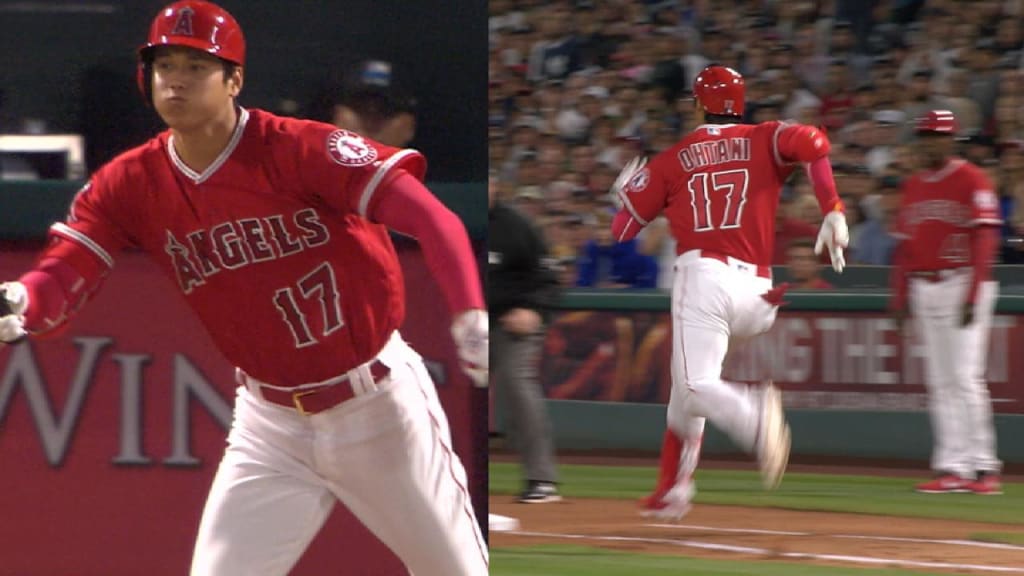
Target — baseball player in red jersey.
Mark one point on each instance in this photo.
(719, 189)
(275, 230)
(949, 226)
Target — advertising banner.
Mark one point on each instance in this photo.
(110, 433)
(822, 360)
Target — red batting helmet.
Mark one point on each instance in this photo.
(720, 90)
(195, 24)
(938, 121)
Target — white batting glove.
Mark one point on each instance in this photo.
(632, 167)
(13, 302)
(470, 333)
(834, 235)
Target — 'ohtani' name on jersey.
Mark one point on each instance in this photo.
(701, 154)
(236, 243)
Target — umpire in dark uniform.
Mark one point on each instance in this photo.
(521, 286)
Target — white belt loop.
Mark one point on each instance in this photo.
(250, 383)
(362, 379)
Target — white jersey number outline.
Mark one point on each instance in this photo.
(700, 197)
(322, 284)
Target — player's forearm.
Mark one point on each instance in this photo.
(406, 206)
(55, 291)
(624, 226)
(984, 244)
(820, 173)
(808, 145)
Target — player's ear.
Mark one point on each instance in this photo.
(236, 80)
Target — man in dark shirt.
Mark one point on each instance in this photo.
(521, 285)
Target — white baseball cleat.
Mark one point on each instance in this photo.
(671, 507)
(773, 451)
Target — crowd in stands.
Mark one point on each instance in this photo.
(578, 87)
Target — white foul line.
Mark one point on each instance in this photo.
(954, 542)
(765, 551)
(742, 530)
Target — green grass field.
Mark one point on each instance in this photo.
(582, 561)
(824, 492)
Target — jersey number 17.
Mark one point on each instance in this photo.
(731, 184)
(321, 286)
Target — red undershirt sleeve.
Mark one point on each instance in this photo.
(406, 206)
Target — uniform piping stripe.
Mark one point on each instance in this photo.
(775, 144)
(70, 233)
(243, 119)
(378, 177)
(625, 230)
(451, 471)
(976, 221)
(682, 330)
(632, 211)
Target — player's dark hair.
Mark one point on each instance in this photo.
(229, 69)
(722, 119)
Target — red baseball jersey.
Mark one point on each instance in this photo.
(938, 211)
(719, 189)
(269, 245)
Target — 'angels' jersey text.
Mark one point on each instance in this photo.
(233, 244)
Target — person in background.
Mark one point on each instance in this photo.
(948, 225)
(522, 284)
(803, 267)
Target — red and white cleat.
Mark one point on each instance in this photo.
(945, 484)
(671, 505)
(987, 484)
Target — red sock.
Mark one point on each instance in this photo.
(671, 451)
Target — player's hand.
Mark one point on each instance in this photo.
(13, 302)
(521, 321)
(631, 168)
(835, 235)
(470, 332)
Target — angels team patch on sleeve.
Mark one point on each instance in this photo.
(639, 181)
(985, 200)
(350, 149)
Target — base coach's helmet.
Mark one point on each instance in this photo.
(937, 121)
(195, 24)
(720, 90)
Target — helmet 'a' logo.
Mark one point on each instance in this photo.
(183, 27)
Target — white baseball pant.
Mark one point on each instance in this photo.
(385, 454)
(713, 303)
(958, 400)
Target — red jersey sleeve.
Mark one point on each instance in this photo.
(79, 255)
(92, 235)
(645, 194)
(799, 143)
(347, 170)
(983, 200)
